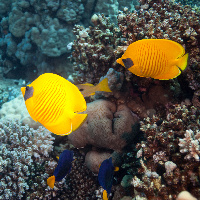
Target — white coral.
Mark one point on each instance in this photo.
(20, 150)
(190, 144)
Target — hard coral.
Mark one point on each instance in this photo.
(171, 153)
(23, 160)
(94, 50)
(12, 110)
(190, 144)
(35, 32)
(93, 160)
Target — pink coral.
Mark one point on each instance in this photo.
(190, 145)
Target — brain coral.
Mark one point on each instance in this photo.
(106, 126)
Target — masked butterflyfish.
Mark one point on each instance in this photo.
(106, 175)
(55, 103)
(156, 58)
(63, 168)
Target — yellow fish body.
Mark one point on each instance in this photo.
(55, 103)
(156, 58)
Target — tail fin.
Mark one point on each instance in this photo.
(105, 195)
(182, 62)
(103, 86)
(51, 181)
(78, 120)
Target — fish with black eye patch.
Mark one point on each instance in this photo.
(57, 103)
(156, 58)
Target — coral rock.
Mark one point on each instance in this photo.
(106, 126)
(94, 159)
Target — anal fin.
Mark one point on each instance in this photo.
(62, 128)
(173, 72)
(78, 120)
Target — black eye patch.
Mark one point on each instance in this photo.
(128, 62)
(28, 93)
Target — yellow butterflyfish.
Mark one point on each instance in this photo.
(57, 103)
(156, 58)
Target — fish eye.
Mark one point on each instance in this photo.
(27, 88)
(81, 89)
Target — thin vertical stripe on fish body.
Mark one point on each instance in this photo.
(55, 103)
(152, 61)
(156, 58)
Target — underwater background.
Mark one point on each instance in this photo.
(150, 127)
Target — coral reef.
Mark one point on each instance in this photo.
(24, 153)
(109, 8)
(34, 34)
(169, 157)
(24, 40)
(159, 161)
(26, 162)
(93, 50)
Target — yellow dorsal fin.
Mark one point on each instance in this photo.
(51, 181)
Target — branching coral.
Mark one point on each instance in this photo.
(94, 49)
(190, 144)
(23, 152)
(172, 151)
